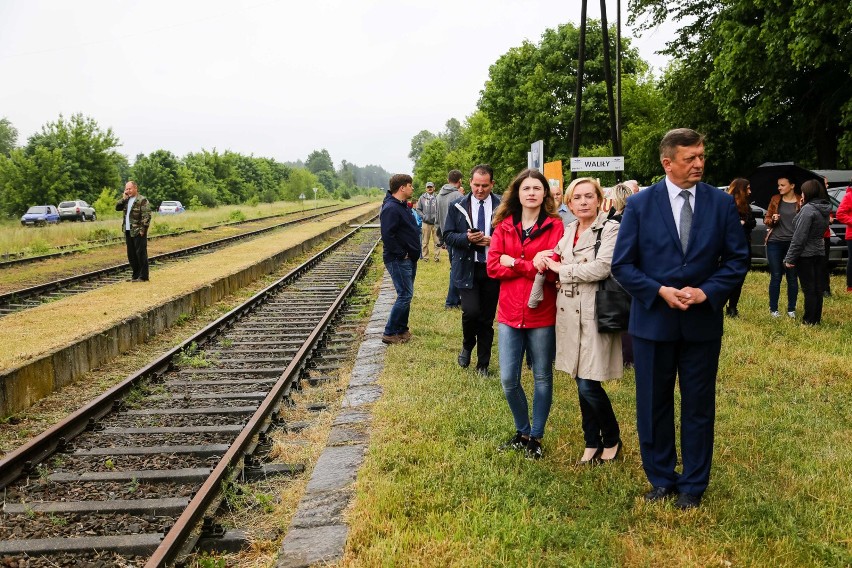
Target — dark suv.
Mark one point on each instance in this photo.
(837, 253)
(76, 211)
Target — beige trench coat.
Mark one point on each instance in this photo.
(580, 349)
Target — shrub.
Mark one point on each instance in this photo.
(100, 234)
(237, 215)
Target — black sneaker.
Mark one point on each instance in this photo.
(534, 451)
(517, 443)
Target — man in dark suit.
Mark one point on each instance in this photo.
(467, 230)
(680, 251)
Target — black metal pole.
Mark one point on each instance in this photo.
(608, 80)
(578, 96)
(618, 76)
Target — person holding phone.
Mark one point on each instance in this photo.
(135, 222)
(467, 230)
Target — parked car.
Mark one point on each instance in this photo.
(171, 207)
(76, 211)
(40, 215)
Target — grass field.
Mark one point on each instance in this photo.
(435, 492)
(31, 241)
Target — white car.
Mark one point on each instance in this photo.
(171, 207)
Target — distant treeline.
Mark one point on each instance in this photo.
(76, 159)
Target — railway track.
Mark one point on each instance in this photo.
(135, 476)
(26, 298)
(17, 259)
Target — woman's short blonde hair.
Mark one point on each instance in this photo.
(598, 189)
(618, 196)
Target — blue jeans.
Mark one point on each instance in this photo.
(541, 342)
(775, 253)
(402, 273)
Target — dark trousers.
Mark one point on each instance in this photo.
(600, 427)
(826, 273)
(811, 271)
(452, 292)
(479, 305)
(658, 365)
(137, 255)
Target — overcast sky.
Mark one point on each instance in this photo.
(269, 78)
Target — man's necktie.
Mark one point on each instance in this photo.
(685, 220)
(480, 224)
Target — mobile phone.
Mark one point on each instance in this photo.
(475, 231)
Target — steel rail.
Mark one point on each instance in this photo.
(175, 539)
(24, 293)
(24, 459)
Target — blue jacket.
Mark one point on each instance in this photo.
(399, 230)
(455, 235)
(648, 255)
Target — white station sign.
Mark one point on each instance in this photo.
(600, 164)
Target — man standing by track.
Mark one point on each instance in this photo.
(401, 239)
(468, 232)
(427, 206)
(136, 219)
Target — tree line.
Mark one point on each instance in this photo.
(75, 158)
(765, 81)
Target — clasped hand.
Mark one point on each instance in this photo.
(682, 298)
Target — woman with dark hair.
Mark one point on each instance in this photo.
(526, 228)
(807, 253)
(591, 357)
(741, 190)
(779, 221)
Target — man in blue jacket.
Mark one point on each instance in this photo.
(401, 239)
(680, 252)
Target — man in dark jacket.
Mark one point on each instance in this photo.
(401, 240)
(135, 222)
(468, 231)
(451, 192)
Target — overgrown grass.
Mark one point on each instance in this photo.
(435, 492)
(15, 239)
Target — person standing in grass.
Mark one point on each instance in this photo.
(740, 190)
(427, 207)
(807, 253)
(401, 244)
(526, 228)
(844, 215)
(680, 252)
(585, 254)
(135, 222)
(779, 221)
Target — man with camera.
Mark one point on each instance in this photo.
(467, 230)
(135, 221)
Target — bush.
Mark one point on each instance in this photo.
(253, 201)
(195, 203)
(39, 247)
(161, 229)
(237, 215)
(100, 234)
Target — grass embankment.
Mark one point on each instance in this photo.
(435, 492)
(32, 241)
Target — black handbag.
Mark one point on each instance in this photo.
(612, 302)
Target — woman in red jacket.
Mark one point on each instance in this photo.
(844, 215)
(526, 228)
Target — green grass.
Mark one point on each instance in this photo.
(435, 492)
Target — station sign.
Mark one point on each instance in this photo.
(598, 164)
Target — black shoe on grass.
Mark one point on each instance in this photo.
(517, 443)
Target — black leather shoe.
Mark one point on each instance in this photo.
(464, 358)
(687, 501)
(659, 493)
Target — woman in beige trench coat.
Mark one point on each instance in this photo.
(590, 357)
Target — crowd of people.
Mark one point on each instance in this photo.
(536, 259)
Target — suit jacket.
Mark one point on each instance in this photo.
(455, 235)
(648, 255)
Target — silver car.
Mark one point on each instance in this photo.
(77, 210)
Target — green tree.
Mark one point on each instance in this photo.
(89, 154)
(777, 72)
(8, 136)
(300, 182)
(159, 177)
(319, 161)
(105, 203)
(418, 142)
(432, 165)
(35, 178)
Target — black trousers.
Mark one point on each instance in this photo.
(137, 255)
(811, 271)
(479, 305)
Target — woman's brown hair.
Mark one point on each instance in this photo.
(510, 203)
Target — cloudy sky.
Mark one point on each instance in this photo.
(265, 77)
